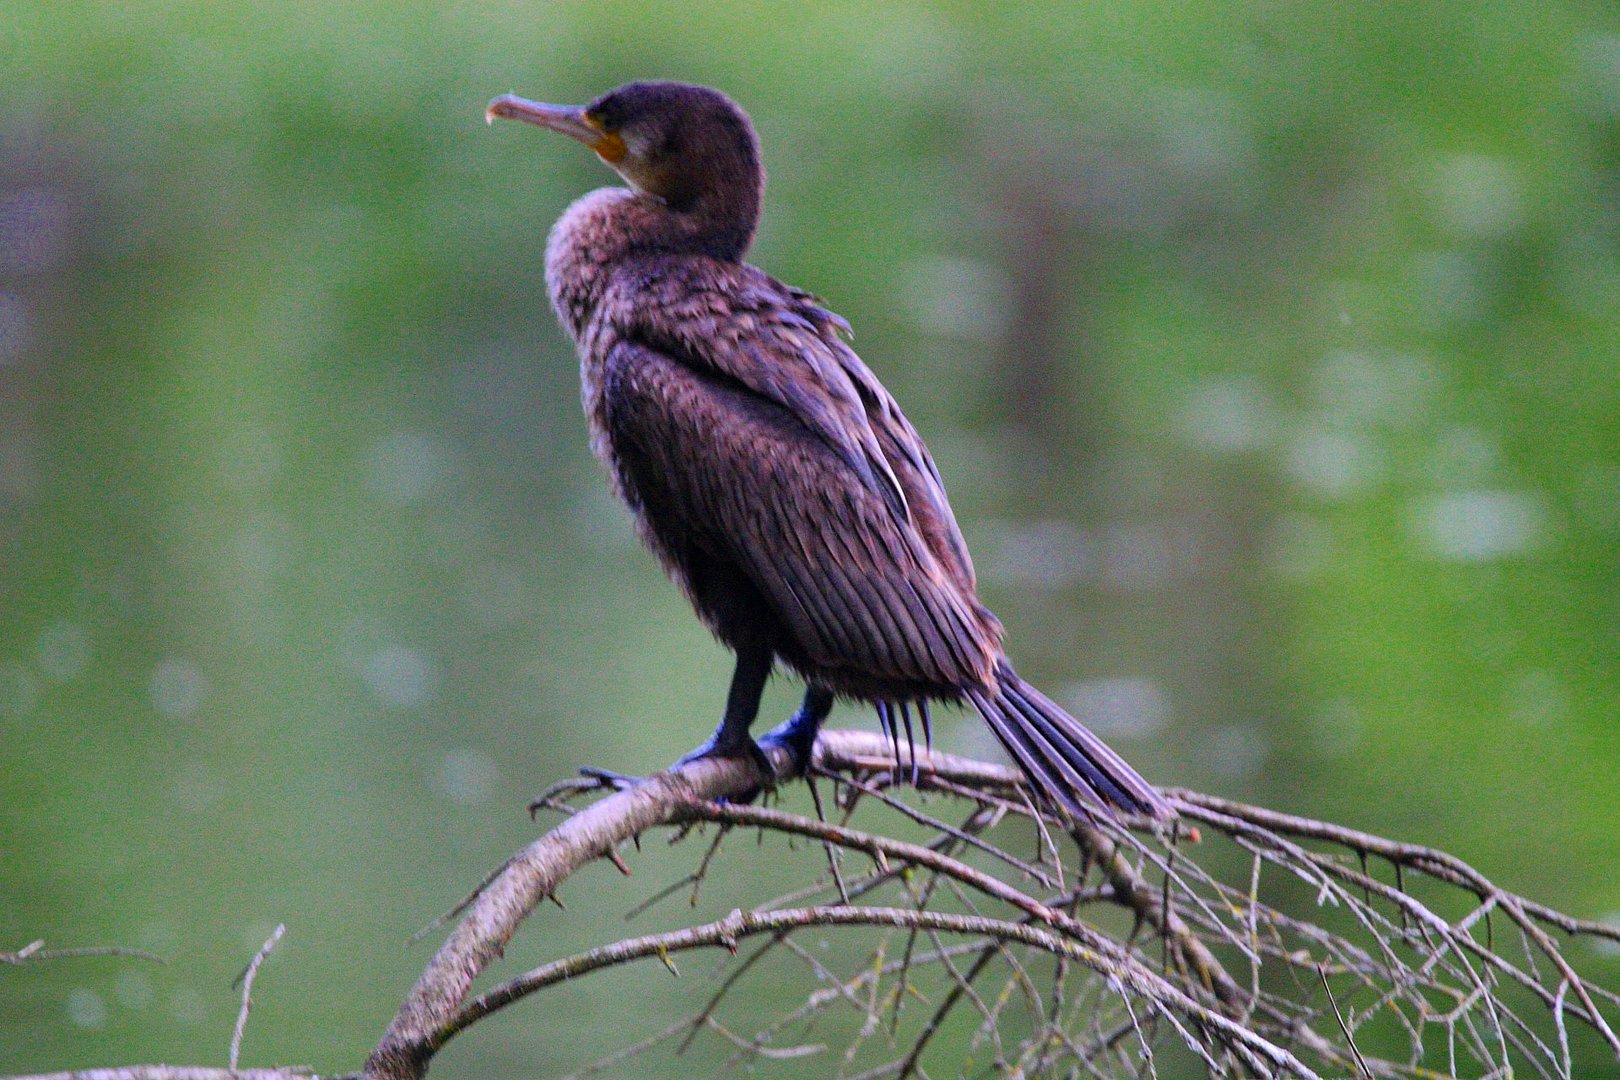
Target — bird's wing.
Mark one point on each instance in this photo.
(707, 457)
(904, 449)
(742, 324)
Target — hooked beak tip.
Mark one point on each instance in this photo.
(500, 108)
(569, 120)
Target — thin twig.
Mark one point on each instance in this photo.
(1361, 1062)
(1379, 949)
(35, 951)
(180, 1072)
(246, 979)
(727, 932)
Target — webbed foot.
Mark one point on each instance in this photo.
(726, 743)
(796, 735)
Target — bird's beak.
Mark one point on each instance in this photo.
(570, 120)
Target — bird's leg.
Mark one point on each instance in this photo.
(797, 734)
(731, 738)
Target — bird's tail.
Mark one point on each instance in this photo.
(1070, 766)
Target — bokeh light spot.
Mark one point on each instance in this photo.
(1478, 525)
(134, 989)
(1238, 751)
(1229, 416)
(1538, 698)
(1120, 707)
(468, 776)
(19, 691)
(86, 1009)
(404, 467)
(1336, 727)
(188, 1006)
(1334, 463)
(1365, 387)
(64, 650)
(401, 677)
(1599, 60)
(1477, 195)
(178, 687)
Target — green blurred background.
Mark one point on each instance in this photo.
(1269, 352)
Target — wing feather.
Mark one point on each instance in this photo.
(857, 585)
(740, 323)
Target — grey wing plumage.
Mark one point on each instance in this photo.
(747, 327)
(859, 587)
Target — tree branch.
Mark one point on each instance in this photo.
(739, 924)
(174, 1072)
(1367, 955)
(529, 877)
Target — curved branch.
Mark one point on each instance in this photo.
(740, 924)
(667, 798)
(1215, 1003)
(533, 874)
(172, 1072)
(1431, 861)
(1392, 956)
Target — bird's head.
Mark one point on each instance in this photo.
(689, 147)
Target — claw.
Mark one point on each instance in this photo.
(762, 761)
(911, 742)
(609, 778)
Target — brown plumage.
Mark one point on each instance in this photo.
(772, 474)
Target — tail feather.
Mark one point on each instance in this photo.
(1067, 764)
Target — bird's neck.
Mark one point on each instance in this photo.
(610, 227)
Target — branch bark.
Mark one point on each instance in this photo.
(172, 1072)
(528, 878)
(667, 798)
(740, 924)
(1397, 952)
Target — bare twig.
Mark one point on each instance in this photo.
(178, 1072)
(1361, 1063)
(530, 876)
(35, 951)
(1183, 906)
(1182, 939)
(739, 924)
(246, 979)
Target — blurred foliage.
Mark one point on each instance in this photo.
(1269, 352)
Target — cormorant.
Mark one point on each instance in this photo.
(768, 469)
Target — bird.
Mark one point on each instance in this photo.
(767, 468)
